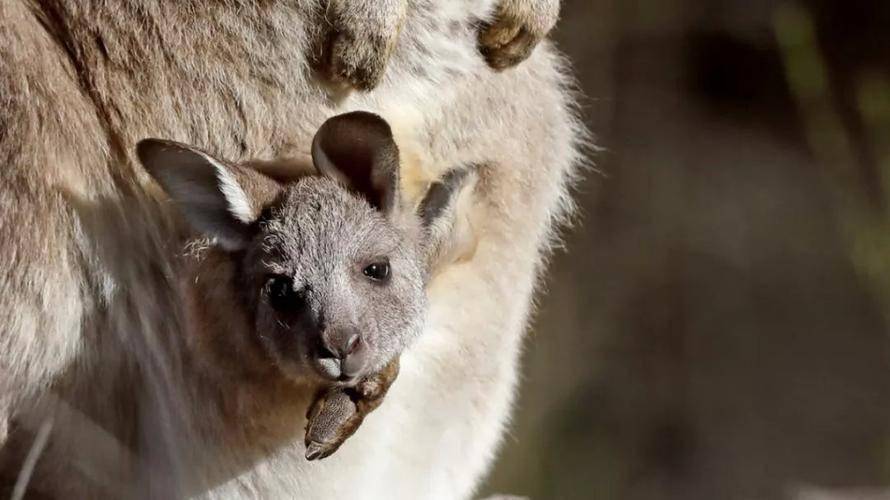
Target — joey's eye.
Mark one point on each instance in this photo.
(282, 295)
(378, 271)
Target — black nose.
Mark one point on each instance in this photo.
(342, 353)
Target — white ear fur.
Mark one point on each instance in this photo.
(206, 190)
(235, 197)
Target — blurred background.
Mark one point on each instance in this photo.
(717, 327)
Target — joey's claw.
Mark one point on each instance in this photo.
(515, 31)
(339, 411)
(314, 451)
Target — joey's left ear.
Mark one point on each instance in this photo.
(444, 217)
(357, 150)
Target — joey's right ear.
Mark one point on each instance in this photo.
(357, 150)
(218, 199)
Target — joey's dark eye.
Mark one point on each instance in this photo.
(282, 295)
(378, 271)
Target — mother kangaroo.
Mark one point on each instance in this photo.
(92, 315)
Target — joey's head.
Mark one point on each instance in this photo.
(327, 271)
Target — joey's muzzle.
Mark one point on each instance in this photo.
(341, 355)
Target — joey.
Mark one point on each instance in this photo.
(329, 269)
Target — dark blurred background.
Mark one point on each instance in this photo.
(718, 326)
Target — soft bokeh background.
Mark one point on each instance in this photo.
(718, 326)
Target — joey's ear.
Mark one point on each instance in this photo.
(357, 150)
(443, 217)
(218, 199)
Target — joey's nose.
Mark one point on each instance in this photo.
(342, 354)
(339, 342)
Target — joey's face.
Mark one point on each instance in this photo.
(337, 287)
(329, 269)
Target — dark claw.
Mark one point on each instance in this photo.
(313, 451)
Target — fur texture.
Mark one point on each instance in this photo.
(91, 301)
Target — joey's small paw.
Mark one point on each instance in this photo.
(332, 419)
(338, 412)
(359, 38)
(515, 30)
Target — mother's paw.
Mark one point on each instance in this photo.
(515, 30)
(356, 40)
